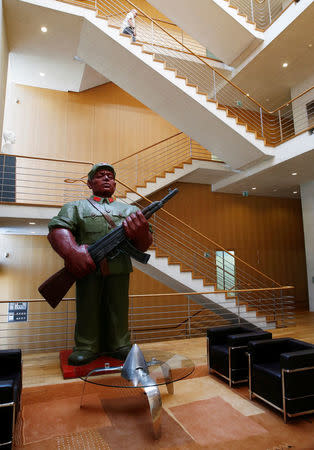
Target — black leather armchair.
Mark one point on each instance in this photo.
(10, 394)
(226, 350)
(281, 373)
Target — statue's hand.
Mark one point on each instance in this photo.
(79, 262)
(136, 229)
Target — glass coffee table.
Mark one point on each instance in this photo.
(145, 370)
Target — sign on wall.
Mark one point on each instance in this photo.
(18, 312)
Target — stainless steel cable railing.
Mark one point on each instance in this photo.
(152, 317)
(41, 180)
(261, 12)
(194, 252)
(160, 158)
(52, 330)
(173, 239)
(273, 127)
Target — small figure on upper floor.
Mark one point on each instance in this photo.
(129, 24)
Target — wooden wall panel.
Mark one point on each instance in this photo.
(31, 260)
(103, 123)
(51, 126)
(265, 232)
(21, 117)
(80, 128)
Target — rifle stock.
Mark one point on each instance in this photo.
(55, 288)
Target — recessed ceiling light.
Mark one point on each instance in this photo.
(32, 223)
(41, 74)
(310, 45)
(285, 64)
(253, 188)
(295, 192)
(294, 173)
(44, 29)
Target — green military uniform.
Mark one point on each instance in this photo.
(101, 301)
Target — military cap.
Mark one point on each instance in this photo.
(98, 166)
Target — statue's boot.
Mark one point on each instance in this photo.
(81, 357)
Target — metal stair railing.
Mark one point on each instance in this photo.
(158, 159)
(40, 181)
(272, 127)
(116, 20)
(178, 241)
(195, 252)
(261, 12)
(152, 317)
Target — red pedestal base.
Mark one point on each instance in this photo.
(80, 371)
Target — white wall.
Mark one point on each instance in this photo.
(3, 65)
(307, 196)
(299, 106)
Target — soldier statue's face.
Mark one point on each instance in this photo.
(103, 183)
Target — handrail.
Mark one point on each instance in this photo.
(262, 18)
(221, 291)
(40, 158)
(213, 68)
(70, 180)
(180, 51)
(169, 294)
(147, 322)
(272, 126)
(292, 100)
(200, 234)
(191, 52)
(146, 148)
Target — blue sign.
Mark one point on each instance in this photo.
(18, 312)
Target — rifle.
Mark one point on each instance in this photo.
(110, 246)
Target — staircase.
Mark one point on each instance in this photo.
(172, 275)
(211, 19)
(163, 163)
(182, 86)
(147, 75)
(195, 103)
(182, 258)
(186, 261)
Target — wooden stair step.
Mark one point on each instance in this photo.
(161, 61)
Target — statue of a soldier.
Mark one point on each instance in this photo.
(102, 294)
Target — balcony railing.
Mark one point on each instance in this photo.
(40, 181)
(272, 126)
(261, 12)
(152, 317)
(207, 260)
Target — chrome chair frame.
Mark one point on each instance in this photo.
(229, 378)
(284, 397)
(7, 405)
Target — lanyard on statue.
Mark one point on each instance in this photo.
(102, 212)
